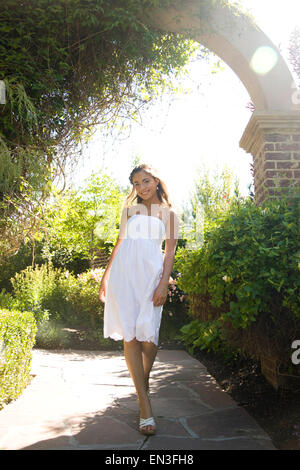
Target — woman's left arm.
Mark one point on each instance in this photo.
(172, 226)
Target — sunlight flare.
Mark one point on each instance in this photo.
(264, 60)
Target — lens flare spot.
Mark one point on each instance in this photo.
(264, 60)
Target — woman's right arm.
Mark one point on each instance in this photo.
(103, 283)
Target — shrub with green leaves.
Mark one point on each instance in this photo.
(37, 289)
(17, 337)
(207, 336)
(63, 297)
(83, 295)
(250, 264)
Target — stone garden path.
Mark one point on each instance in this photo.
(86, 400)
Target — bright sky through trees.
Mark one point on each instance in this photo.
(181, 134)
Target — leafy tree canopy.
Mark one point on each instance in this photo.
(67, 66)
(85, 220)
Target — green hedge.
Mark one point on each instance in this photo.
(17, 337)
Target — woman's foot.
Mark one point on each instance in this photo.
(147, 426)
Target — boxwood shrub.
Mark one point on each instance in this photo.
(17, 338)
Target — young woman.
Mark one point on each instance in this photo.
(134, 285)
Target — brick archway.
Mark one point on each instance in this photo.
(272, 135)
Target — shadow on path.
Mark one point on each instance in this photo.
(86, 400)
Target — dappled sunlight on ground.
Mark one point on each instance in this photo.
(86, 400)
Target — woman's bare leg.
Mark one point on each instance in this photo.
(134, 361)
(149, 351)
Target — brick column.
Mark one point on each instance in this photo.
(274, 142)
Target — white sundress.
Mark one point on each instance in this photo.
(134, 275)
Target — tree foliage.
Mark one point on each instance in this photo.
(210, 199)
(67, 66)
(86, 220)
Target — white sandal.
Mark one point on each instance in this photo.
(147, 422)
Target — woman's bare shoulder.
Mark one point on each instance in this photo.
(170, 216)
(169, 211)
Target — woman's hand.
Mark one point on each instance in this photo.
(160, 294)
(102, 290)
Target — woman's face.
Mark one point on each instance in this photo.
(145, 185)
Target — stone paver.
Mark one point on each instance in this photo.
(86, 400)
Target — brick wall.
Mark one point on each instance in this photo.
(274, 142)
(277, 165)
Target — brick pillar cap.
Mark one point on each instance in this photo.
(262, 123)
